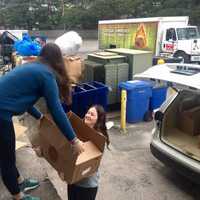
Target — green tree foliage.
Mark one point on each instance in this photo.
(43, 14)
(68, 14)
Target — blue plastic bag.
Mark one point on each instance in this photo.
(27, 47)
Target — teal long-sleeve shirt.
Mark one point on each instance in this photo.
(23, 86)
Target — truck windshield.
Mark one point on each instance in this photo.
(187, 33)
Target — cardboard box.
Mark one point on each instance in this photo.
(58, 152)
(74, 67)
(27, 59)
(189, 121)
(19, 131)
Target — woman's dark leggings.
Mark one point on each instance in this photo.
(8, 168)
(80, 193)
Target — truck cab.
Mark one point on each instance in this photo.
(182, 42)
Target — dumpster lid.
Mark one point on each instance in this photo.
(186, 76)
(106, 55)
(135, 84)
(128, 51)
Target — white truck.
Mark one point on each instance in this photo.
(165, 36)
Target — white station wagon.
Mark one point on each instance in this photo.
(176, 136)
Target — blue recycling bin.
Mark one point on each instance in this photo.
(158, 97)
(159, 93)
(138, 98)
(85, 95)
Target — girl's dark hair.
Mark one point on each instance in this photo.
(52, 56)
(101, 122)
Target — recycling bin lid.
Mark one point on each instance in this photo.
(134, 84)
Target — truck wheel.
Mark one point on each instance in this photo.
(184, 56)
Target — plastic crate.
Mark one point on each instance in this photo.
(101, 94)
(138, 98)
(87, 94)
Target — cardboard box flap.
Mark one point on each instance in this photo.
(50, 132)
(20, 145)
(89, 133)
(91, 152)
(19, 130)
(86, 169)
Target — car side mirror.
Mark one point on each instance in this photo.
(158, 116)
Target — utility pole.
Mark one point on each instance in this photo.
(63, 7)
(63, 12)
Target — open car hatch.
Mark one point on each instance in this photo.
(185, 75)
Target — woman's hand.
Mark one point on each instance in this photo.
(77, 146)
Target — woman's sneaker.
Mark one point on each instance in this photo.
(29, 197)
(28, 184)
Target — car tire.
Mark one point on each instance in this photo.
(183, 55)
